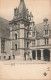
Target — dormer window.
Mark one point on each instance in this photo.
(46, 41)
(46, 32)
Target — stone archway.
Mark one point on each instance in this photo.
(39, 54)
(46, 55)
(34, 54)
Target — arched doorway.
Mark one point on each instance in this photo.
(25, 55)
(39, 54)
(34, 54)
(46, 55)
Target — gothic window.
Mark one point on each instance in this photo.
(2, 46)
(46, 32)
(46, 41)
(15, 47)
(27, 34)
(27, 44)
(15, 36)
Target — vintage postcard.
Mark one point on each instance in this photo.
(25, 39)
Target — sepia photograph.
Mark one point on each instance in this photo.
(25, 39)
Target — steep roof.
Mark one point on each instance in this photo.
(21, 11)
(22, 7)
(4, 28)
(40, 29)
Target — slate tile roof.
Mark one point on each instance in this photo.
(4, 28)
(40, 29)
(22, 11)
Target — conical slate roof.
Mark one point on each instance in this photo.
(21, 11)
(22, 7)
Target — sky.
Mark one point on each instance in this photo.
(40, 9)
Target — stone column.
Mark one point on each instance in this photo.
(50, 54)
(42, 55)
(30, 55)
(27, 57)
(36, 55)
